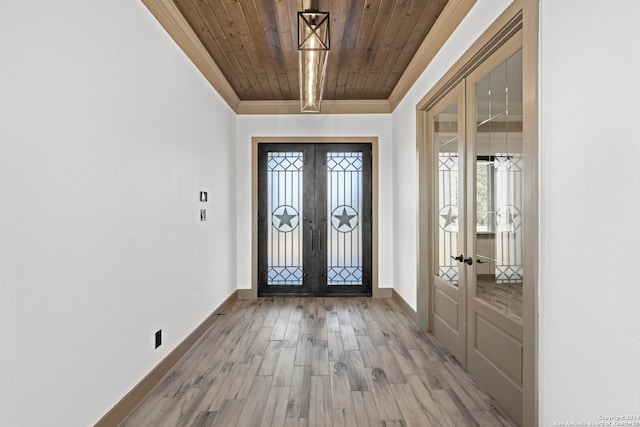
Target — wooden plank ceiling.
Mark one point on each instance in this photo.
(254, 43)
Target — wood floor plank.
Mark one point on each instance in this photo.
(359, 408)
(403, 357)
(358, 374)
(365, 410)
(349, 340)
(279, 329)
(205, 419)
(340, 386)
(300, 395)
(304, 362)
(275, 410)
(344, 417)
(260, 341)
(253, 409)
(319, 328)
(434, 413)
(392, 371)
(375, 333)
(467, 384)
(271, 314)
(320, 412)
(291, 335)
(228, 415)
(284, 367)
(453, 407)
(368, 352)
(342, 308)
(411, 409)
(223, 388)
(383, 395)
(320, 358)
(304, 350)
(429, 369)
(240, 387)
(372, 409)
(336, 349)
(333, 324)
(486, 419)
(357, 322)
(269, 358)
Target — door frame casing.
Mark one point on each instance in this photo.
(523, 15)
(376, 292)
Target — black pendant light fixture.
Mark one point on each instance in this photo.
(313, 52)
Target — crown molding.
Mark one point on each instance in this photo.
(351, 106)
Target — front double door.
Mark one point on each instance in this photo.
(314, 219)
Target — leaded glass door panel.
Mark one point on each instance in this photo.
(447, 212)
(314, 219)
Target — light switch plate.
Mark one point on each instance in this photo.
(203, 196)
(203, 214)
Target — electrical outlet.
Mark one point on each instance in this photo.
(159, 338)
(203, 214)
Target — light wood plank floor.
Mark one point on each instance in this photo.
(317, 362)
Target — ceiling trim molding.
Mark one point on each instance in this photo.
(168, 15)
(352, 106)
(451, 16)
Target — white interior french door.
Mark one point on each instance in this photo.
(476, 216)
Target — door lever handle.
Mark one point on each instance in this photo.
(468, 261)
(459, 258)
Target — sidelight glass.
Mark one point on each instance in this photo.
(284, 236)
(498, 172)
(447, 145)
(344, 218)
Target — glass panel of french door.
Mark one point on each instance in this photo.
(498, 171)
(447, 222)
(284, 235)
(448, 187)
(314, 219)
(344, 209)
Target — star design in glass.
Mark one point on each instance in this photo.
(285, 218)
(449, 218)
(344, 218)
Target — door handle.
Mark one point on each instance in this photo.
(313, 234)
(459, 258)
(468, 261)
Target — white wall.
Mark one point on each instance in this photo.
(405, 189)
(107, 134)
(589, 210)
(315, 126)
